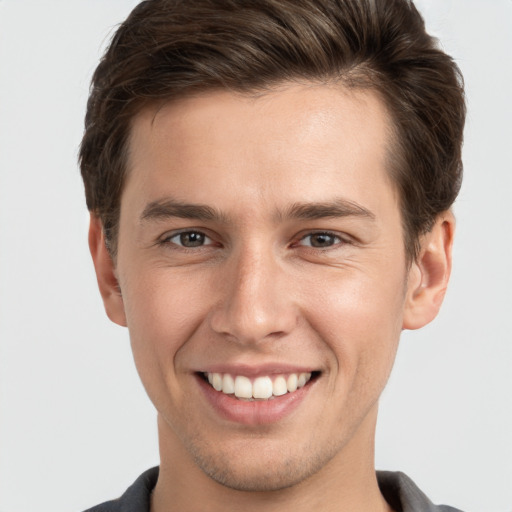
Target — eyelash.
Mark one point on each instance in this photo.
(169, 239)
(335, 239)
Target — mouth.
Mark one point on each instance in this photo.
(260, 388)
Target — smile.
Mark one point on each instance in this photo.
(260, 388)
(256, 396)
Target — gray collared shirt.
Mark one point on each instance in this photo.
(398, 489)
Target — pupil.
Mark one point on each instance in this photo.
(321, 240)
(192, 239)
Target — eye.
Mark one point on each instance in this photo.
(189, 239)
(320, 240)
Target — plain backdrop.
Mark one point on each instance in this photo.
(75, 425)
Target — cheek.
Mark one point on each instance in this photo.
(359, 317)
(163, 311)
(161, 303)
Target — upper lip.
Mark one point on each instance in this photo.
(256, 370)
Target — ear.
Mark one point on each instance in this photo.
(429, 274)
(106, 273)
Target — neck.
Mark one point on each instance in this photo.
(347, 482)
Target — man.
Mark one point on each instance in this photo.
(270, 185)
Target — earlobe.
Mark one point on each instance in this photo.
(429, 274)
(105, 273)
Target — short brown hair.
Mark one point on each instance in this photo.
(168, 49)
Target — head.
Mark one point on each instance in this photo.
(171, 49)
(269, 185)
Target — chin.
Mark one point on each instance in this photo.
(255, 468)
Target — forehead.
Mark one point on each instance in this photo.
(297, 142)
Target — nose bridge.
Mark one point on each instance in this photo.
(254, 304)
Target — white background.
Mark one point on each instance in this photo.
(75, 425)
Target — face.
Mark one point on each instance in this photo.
(263, 277)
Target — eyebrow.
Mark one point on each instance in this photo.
(336, 208)
(168, 208)
(339, 207)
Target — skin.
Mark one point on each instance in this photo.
(263, 287)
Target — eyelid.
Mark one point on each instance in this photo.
(168, 236)
(341, 239)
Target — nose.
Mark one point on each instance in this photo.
(256, 302)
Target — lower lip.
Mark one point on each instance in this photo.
(257, 412)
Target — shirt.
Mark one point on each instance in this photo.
(397, 488)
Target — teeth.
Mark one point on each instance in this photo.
(261, 388)
(228, 384)
(279, 388)
(243, 387)
(301, 380)
(217, 381)
(291, 383)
